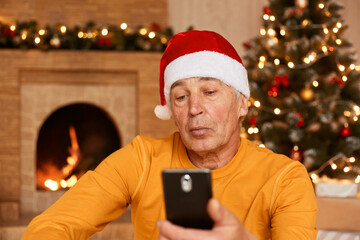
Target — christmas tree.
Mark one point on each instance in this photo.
(305, 87)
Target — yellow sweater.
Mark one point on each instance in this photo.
(270, 193)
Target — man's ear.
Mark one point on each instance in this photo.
(243, 106)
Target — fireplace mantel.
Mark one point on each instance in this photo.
(29, 74)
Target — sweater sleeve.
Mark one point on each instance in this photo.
(99, 197)
(294, 206)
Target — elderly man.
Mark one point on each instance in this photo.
(257, 194)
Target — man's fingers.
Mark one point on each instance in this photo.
(173, 232)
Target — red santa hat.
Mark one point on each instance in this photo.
(199, 54)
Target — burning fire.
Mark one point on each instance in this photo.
(60, 178)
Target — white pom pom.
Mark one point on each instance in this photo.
(163, 112)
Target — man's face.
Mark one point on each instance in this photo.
(207, 113)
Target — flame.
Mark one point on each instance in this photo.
(62, 175)
(51, 184)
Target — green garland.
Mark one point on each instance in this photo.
(27, 35)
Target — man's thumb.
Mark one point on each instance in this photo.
(219, 213)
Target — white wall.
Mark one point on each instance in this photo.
(240, 20)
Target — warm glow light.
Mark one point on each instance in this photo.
(355, 118)
(123, 26)
(51, 184)
(257, 104)
(12, 27)
(262, 145)
(37, 40)
(271, 32)
(347, 113)
(312, 56)
(151, 35)
(324, 49)
(277, 111)
(314, 176)
(305, 23)
(282, 31)
(352, 159)
(272, 18)
(342, 68)
(251, 130)
(63, 29)
(357, 180)
(163, 40)
(333, 166)
(80, 34)
(326, 31)
(306, 60)
(321, 5)
(71, 181)
(41, 32)
(276, 61)
(24, 35)
(261, 65)
(63, 183)
(256, 130)
(104, 32)
(143, 31)
(291, 65)
(266, 17)
(262, 31)
(356, 108)
(338, 41)
(338, 25)
(262, 58)
(344, 78)
(335, 30)
(315, 83)
(352, 66)
(346, 169)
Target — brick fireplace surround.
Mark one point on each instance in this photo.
(34, 84)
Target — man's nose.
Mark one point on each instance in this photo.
(196, 105)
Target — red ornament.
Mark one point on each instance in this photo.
(267, 10)
(281, 80)
(252, 121)
(156, 27)
(301, 121)
(104, 41)
(247, 45)
(345, 131)
(299, 11)
(8, 32)
(337, 80)
(273, 90)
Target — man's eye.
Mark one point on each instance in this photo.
(210, 92)
(180, 98)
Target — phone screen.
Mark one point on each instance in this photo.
(186, 194)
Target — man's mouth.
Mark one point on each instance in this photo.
(199, 131)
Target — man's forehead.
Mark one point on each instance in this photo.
(182, 82)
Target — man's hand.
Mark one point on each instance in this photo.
(226, 226)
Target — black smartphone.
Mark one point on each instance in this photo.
(186, 194)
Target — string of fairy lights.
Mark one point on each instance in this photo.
(114, 37)
(330, 40)
(336, 162)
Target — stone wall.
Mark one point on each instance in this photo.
(79, 12)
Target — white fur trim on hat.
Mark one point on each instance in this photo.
(163, 112)
(207, 64)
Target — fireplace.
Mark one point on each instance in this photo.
(35, 86)
(73, 139)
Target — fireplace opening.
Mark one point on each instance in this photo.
(72, 140)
